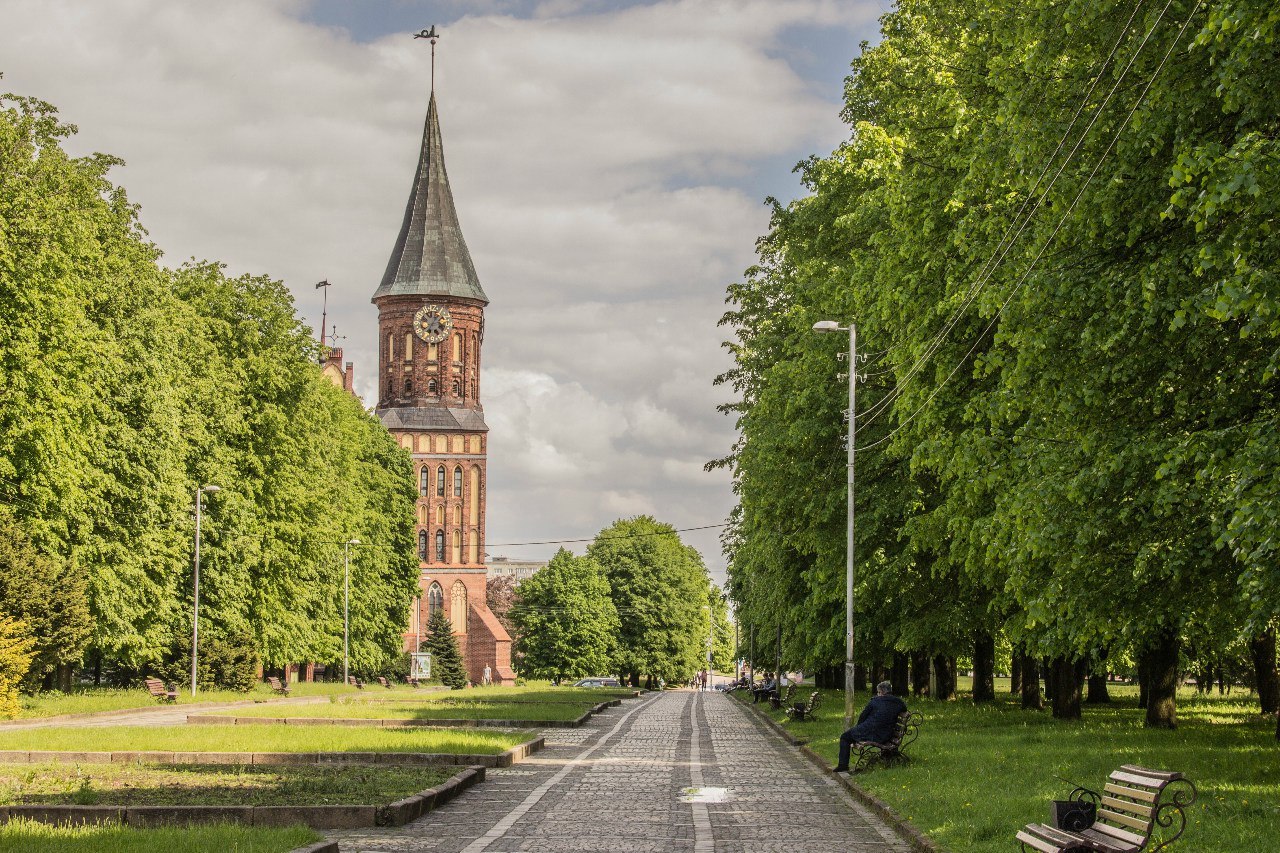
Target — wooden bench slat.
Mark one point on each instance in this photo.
(1132, 793)
(1104, 832)
(1166, 775)
(1036, 843)
(1138, 779)
(1143, 826)
(1129, 808)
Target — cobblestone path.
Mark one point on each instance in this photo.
(678, 771)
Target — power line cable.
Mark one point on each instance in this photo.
(1022, 280)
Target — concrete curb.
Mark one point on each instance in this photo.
(318, 847)
(317, 817)
(913, 836)
(125, 712)
(502, 759)
(228, 720)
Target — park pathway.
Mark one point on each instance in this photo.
(675, 771)
(151, 715)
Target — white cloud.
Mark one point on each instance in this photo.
(601, 161)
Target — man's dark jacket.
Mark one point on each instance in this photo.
(877, 720)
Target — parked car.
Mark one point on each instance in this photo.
(608, 681)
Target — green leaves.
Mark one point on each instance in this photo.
(566, 623)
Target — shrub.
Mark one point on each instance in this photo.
(16, 654)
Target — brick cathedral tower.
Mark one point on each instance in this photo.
(431, 326)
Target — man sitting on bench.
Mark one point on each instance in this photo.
(875, 723)
(765, 690)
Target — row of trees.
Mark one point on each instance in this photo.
(1055, 228)
(638, 603)
(123, 386)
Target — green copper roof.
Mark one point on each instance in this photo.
(430, 257)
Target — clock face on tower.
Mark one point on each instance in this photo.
(432, 323)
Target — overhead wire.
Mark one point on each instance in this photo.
(1075, 201)
(1020, 222)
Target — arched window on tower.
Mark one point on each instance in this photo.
(435, 599)
(408, 385)
(439, 546)
(432, 387)
(457, 346)
(440, 482)
(458, 607)
(408, 346)
(422, 545)
(424, 481)
(457, 388)
(457, 482)
(457, 547)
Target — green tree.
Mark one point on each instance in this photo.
(446, 660)
(15, 657)
(566, 623)
(659, 586)
(47, 596)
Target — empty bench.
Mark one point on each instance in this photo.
(383, 681)
(800, 711)
(276, 686)
(160, 690)
(905, 731)
(1139, 809)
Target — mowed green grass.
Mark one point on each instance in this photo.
(451, 709)
(979, 773)
(25, 836)
(88, 700)
(211, 785)
(263, 738)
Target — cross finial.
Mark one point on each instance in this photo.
(432, 36)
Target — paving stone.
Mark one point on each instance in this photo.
(621, 784)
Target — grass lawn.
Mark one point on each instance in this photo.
(979, 773)
(25, 836)
(456, 708)
(210, 785)
(264, 738)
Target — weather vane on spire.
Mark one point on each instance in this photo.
(432, 36)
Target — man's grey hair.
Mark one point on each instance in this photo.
(884, 687)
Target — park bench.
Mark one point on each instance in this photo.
(355, 682)
(383, 681)
(160, 691)
(800, 711)
(276, 686)
(1139, 809)
(411, 681)
(785, 699)
(905, 731)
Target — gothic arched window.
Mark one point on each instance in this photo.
(457, 388)
(432, 387)
(458, 607)
(439, 546)
(422, 545)
(440, 482)
(457, 482)
(435, 599)
(457, 346)
(424, 481)
(408, 385)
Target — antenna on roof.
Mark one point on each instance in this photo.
(432, 36)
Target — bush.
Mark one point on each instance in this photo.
(15, 659)
(227, 662)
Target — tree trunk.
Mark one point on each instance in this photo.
(984, 667)
(1047, 672)
(944, 670)
(879, 673)
(919, 673)
(1066, 688)
(1262, 649)
(1031, 698)
(899, 674)
(1098, 693)
(1144, 683)
(64, 677)
(1015, 672)
(1162, 670)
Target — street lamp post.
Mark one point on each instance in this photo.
(832, 326)
(346, 607)
(195, 607)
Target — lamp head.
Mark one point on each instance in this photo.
(354, 542)
(210, 489)
(826, 326)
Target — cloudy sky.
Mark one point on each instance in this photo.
(609, 161)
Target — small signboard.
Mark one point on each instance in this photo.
(420, 665)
